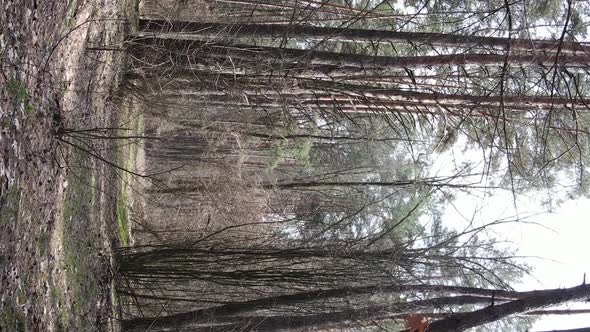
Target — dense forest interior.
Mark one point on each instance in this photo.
(289, 165)
(289, 152)
(289, 157)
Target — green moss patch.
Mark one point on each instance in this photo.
(12, 318)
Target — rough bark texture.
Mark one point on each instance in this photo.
(226, 314)
(222, 30)
(536, 300)
(470, 295)
(336, 60)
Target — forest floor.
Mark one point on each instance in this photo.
(58, 203)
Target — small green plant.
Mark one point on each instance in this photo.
(127, 156)
(299, 151)
(20, 93)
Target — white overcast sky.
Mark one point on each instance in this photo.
(558, 248)
(557, 243)
(567, 245)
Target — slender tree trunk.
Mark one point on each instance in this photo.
(438, 183)
(434, 183)
(330, 94)
(274, 58)
(544, 298)
(212, 31)
(583, 329)
(273, 137)
(223, 314)
(559, 312)
(470, 295)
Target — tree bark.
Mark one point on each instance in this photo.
(471, 295)
(539, 299)
(223, 314)
(559, 312)
(274, 58)
(212, 31)
(438, 183)
(329, 95)
(583, 329)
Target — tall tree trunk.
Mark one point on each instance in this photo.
(330, 94)
(215, 31)
(470, 295)
(583, 329)
(438, 183)
(226, 314)
(540, 299)
(179, 53)
(434, 183)
(559, 312)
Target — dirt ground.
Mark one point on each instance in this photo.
(60, 70)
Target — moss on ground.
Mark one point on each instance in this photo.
(128, 155)
(12, 318)
(9, 206)
(123, 213)
(80, 236)
(21, 95)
